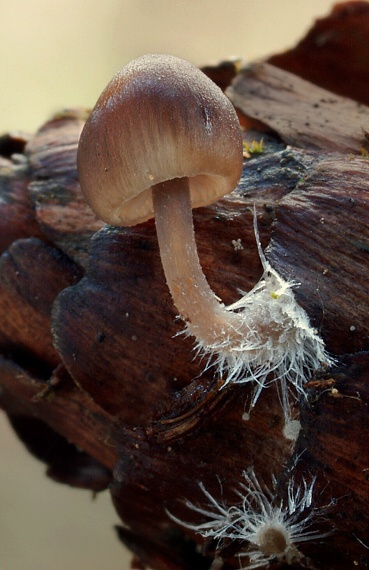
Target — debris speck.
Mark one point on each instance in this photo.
(237, 244)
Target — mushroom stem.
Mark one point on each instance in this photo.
(265, 332)
(206, 317)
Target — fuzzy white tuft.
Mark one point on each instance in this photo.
(272, 528)
(278, 342)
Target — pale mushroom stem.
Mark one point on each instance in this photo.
(206, 318)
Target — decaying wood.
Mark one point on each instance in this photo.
(91, 359)
(315, 117)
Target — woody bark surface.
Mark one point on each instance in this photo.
(90, 357)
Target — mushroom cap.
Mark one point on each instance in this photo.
(159, 118)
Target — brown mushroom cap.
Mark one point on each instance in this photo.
(159, 118)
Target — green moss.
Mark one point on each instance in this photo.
(255, 147)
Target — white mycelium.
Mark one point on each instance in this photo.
(270, 529)
(277, 341)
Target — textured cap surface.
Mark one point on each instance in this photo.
(159, 118)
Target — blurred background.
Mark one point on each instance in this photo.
(54, 55)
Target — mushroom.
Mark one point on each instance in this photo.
(163, 139)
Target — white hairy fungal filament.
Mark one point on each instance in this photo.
(277, 342)
(269, 528)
